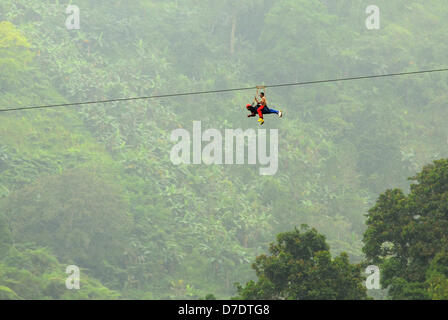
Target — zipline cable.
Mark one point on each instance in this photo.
(221, 91)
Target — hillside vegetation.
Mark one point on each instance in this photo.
(94, 186)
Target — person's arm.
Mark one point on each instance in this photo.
(257, 96)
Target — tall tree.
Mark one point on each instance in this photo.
(300, 267)
(406, 233)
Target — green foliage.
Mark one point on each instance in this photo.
(5, 236)
(82, 217)
(28, 273)
(408, 235)
(15, 54)
(340, 144)
(7, 294)
(300, 267)
(437, 277)
(209, 297)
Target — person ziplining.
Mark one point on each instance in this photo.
(47, 106)
(261, 107)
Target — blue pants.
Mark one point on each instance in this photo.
(266, 110)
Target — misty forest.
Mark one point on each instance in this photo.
(362, 176)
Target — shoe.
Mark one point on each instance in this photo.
(261, 121)
(280, 114)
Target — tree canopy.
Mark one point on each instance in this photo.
(408, 236)
(300, 267)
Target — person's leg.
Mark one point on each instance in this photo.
(260, 112)
(271, 111)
